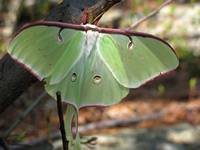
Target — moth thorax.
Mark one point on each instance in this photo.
(91, 40)
(91, 26)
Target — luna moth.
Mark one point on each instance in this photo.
(90, 65)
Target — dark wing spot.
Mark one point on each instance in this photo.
(97, 79)
(74, 77)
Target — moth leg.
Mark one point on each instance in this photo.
(60, 38)
(131, 43)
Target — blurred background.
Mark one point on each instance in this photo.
(161, 115)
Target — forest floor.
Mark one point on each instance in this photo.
(175, 125)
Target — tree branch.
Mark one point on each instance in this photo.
(24, 115)
(121, 122)
(152, 14)
(93, 14)
(14, 80)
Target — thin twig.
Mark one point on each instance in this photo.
(62, 125)
(24, 115)
(152, 14)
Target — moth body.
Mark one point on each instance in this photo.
(90, 42)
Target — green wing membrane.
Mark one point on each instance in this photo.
(89, 82)
(133, 64)
(96, 72)
(41, 50)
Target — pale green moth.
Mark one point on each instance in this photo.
(90, 65)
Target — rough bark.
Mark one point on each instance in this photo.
(14, 79)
